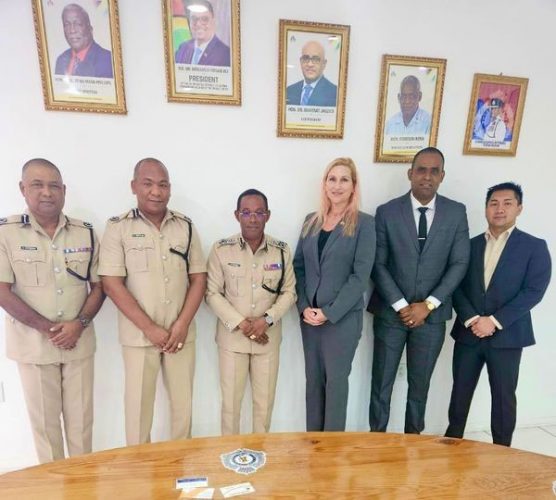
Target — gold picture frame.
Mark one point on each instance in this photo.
(495, 114)
(312, 79)
(211, 28)
(80, 55)
(409, 104)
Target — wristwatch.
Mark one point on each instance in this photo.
(430, 306)
(84, 321)
(268, 319)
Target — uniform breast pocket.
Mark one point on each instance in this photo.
(30, 267)
(235, 281)
(271, 279)
(177, 254)
(138, 254)
(77, 265)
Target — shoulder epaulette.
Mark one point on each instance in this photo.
(79, 223)
(227, 241)
(130, 214)
(277, 243)
(181, 216)
(15, 219)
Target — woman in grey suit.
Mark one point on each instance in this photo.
(333, 263)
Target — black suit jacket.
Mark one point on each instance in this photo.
(517, 285)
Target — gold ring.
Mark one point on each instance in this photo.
(411, 321)
(253, 337)
(180, 345)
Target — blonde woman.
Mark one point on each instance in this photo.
(333, 263)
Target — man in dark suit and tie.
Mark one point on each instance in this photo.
(421, 256)
(85, 57)
(204, 48)
(508, 274)
(315, 89)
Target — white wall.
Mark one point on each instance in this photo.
(214, 152)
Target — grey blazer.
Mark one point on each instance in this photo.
(401, 271)
(343, 273)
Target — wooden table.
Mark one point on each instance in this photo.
(298, 465)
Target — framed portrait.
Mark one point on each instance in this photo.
(202, 51)
(80, 55)
(495, 113)
(313, 65)
(409, 105)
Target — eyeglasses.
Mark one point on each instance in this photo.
(259, 214)
(200, 19)
(310, 59)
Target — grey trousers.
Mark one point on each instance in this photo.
(329, 350)
(424, 344)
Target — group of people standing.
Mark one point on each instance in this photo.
(54, 275)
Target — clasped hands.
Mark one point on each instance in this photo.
(314, 316)
(65, 335)
(168, 341)
(414, 315)
(482, 327)
(255, 329)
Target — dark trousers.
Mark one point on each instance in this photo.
(503, 373)
(329, 350)
(423, 346)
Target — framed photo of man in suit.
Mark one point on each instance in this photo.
(408, 106)
(495, 114)
(80, 55)
(312, 79)
(202, 51)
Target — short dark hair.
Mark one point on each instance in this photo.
(511, 186)
(139, 164)
(429, 149)
(252, 192)
(42, 161)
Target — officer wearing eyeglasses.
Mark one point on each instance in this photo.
(315, 89)
(251, 285)
(50, 291)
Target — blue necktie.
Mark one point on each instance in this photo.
(307, 91)
(197, 55)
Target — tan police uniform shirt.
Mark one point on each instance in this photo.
(37, 267)
(235, 291)
(133, 247)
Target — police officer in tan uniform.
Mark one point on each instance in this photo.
(251, 285)
(153, 268)
(50, 291)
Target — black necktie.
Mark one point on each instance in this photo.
(422, 227)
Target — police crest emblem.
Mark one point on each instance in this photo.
(243, 460)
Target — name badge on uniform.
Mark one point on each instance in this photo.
(78, 250)
(273, 267)
(138, 235)
(234, 264)
(28, 248)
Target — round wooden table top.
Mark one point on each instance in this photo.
(298, 465)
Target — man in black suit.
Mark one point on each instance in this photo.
(315, 89)
(422, 252)
(508, 274)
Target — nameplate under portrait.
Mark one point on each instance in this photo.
(495, 113)
(202, 51)
(312, 79)
(409, 105)
(80, 55)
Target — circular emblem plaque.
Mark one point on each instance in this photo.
(243, 461)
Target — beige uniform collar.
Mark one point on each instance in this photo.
(62, 222)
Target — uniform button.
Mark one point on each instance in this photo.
(254, 285)
(166, 279)
(252, 306)
(54, 247)
(164, 257)
(254, 266)
(139, 245)
(60, 314)
(56, 269)
(167, 301)
(233, 275)
(161, 236)
(60, 291)
(27, 259)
